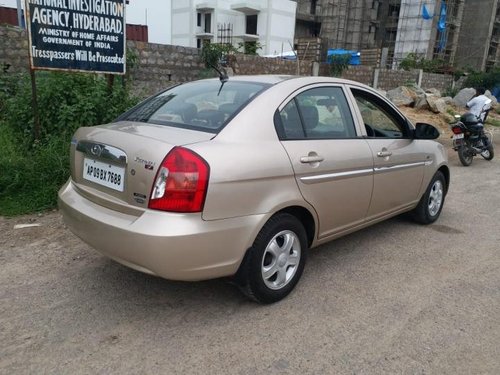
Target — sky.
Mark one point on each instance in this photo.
(154, 13)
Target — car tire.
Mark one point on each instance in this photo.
(430, 205)
(465, 156)
(275, 262)
(488, 154)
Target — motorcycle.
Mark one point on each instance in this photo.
(470, 139)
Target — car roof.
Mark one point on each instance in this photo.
(271, 79)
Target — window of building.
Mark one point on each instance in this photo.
(313, 6)
(198, 19)
(198, 43)
(251, 24)
(208, 22)
(394, 10)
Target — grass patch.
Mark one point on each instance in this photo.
(31, 172)
(493, 122)
(30, 179)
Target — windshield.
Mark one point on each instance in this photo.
(200, 105)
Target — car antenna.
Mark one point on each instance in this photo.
(222, 76)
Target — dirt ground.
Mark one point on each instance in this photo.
(393, 298)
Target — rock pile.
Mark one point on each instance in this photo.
(431, 99)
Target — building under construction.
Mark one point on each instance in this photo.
(465, 33)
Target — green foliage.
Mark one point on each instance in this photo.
(250, 48)
(493, 121)
(450, 91)
(487, 80)
(213, 53)
(414, 61)
(32, 171)
(338, 63)
(31, 178)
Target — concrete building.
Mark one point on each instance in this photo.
(339, 23)
(478, 43)
(270, 23)
(466, 33)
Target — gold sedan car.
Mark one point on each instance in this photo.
(241, 177)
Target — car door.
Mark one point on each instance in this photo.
(333, 164)
(398, 161)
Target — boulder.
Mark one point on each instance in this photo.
(433, 91)
(494, 100)
(401, 96)
(421, 103)
(463, 96)
(382, 92)
(437, 104)
(448, 100)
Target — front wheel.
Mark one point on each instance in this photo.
(488, 154)
(430, 205)
(274, 264)
(465, 155)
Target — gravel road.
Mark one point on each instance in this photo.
(393, 298)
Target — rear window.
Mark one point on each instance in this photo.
(200, 105)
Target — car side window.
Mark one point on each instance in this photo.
(319, 113)
(290, 120)
(378, 118)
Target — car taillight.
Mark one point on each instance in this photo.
(456, 130)
(181, 182)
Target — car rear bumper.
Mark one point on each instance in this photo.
(170, 245)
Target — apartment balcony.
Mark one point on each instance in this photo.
(204, 35)
(207, 6)
(248, 37)
(247, 7)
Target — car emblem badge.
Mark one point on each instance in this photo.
(96, 150)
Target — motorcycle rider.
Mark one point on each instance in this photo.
(480, 104)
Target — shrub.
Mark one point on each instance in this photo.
(212, 54)
(338, 63)
(31, 171)
(488, 80)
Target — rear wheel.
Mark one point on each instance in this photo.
(430, 205)
(488, 154)
(274, 264)
(465, 155)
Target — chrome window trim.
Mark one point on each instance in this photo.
(361, 172)
(398, 166)
(335, 176)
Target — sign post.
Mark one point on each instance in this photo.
(75, 35)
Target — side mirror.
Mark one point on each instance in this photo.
(426, 131)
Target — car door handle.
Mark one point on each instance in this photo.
(383, 154)
(311, 159)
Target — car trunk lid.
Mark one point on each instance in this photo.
(115, 165)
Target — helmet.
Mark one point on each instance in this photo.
(469, 119)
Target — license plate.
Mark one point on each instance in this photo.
(458, 136)
(104, 174)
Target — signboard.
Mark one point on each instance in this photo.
(80, 35)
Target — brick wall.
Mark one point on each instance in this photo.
(389, 79)
(441, 82)
(363, 74)
(159, 66)
(13, 49)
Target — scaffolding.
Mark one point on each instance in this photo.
(400, 26)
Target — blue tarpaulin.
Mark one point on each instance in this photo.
(442, 17)
(425, 13)
(355, 55)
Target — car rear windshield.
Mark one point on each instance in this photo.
(201, 105)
